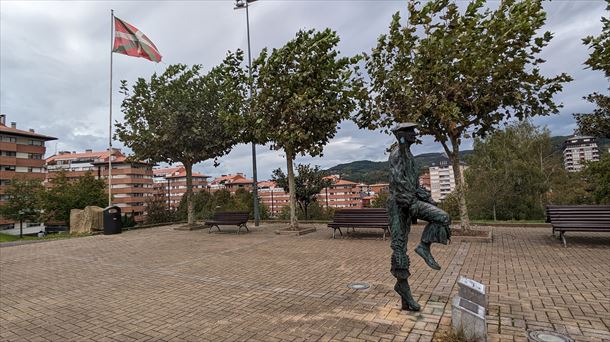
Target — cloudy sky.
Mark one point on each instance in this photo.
(54, 62)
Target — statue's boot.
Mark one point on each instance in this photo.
(407, 301)
(424, 252)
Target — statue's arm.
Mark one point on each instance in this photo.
(424, 195)
(401, 189)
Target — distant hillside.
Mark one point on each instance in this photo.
(371, 172)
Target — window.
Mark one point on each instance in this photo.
(34, 156)
(7, 167)
(36, 142)
(8, 153)
(5, 182)
(5, 138)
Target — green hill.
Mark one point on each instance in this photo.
(371, 172)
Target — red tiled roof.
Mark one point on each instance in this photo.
(69, 156)
(119, 158)
(270, 184)
(231, 179)
(343, 182)
(181, 173)
(15, 131)
(165, 171)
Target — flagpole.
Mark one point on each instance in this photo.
(110, 118)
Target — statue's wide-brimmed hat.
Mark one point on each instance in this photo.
(404, 126)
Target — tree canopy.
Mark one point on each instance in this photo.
(301, 92)
(24, 202)
(309, 181)
(184, 116)
(64, 195)
(597, 123)
(459, 73)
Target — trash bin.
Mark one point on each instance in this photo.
(112, 220)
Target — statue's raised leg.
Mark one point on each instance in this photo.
(437, 230)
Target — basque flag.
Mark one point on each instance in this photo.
(130, 41)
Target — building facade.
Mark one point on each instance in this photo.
(170, 183)
(131, 181)
(577, 150)
(273, 197)
(231, 182)
(341, 194)
(132, 184)
(21, 156)
(442, 180)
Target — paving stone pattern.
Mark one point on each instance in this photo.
(159, 284)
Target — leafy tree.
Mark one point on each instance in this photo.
(301, 92)
(157, 210)
(205, 204)
(63, 196)
(315, 212)
(381, 200)
(309, 181)
(598, 177)
(598, 122)
(182, 116)
(459, 73)
(23, 202)
(510, 173)
(570, 188)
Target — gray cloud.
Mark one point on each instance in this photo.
(54, 63)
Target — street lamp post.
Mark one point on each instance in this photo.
(239, 4)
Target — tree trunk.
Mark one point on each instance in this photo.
(454, 156)
(494, 209)
(294, 224)
(189, 194)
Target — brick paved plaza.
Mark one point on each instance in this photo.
(159, 284)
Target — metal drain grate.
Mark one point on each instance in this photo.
(547, 336)
(358, 286)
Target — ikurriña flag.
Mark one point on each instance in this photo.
(130, 41)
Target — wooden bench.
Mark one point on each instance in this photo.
(229, 218)
(360, 218)
(578, 218)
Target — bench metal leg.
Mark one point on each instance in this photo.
(334, 229)
(563, 239)
(210, 231)
(244, 226)
(384, 234)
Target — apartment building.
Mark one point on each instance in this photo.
(231, 182)
(577, 150)
(170, 183)
(21, 156)
(132, 181)
(424, 180)
(442, 180)
(341, 194)
(273, 197)
(379, 187)
(132, 184)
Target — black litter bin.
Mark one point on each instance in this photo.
(112, 220)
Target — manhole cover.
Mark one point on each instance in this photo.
(548, 336)
(358, 286)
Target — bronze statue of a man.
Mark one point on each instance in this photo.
(409, 201)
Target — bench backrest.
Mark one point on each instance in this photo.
(232, 216)
(366, 215)
(578, 213)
